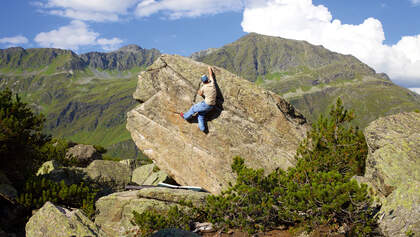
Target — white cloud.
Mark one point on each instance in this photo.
(89, 10)
(175, 9)
(417, 90)
(302, 20)
(15, 40)
(110, 44)
(73, 36)
(415, 2)
(85, 15)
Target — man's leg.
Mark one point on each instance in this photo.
(194, 109)
(201, 121)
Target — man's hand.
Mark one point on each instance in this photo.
(200, 92)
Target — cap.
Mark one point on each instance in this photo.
(204, 78)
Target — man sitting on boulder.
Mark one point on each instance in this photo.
(208, 91)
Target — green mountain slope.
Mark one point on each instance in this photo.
(85, 98)
(312, 77)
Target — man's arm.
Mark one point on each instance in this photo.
(200, 92)
(211, 73)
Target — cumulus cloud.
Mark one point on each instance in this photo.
(302, 20)
(110, 44)
(415, 2)
(89, 10)
(417, 90)
(73, 36)
(175, 9)
(13, 41)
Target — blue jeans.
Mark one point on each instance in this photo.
(201, 108)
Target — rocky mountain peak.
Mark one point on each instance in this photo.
(130, 48)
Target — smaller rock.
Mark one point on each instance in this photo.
(70, 175)
(84, 154)
(48, 167)
(174, 195)
(132, 164)
(156, 178)
(149, 175)
(115, 211)
(53, 220)
(170, 232)
(109, 174)
(141, 174)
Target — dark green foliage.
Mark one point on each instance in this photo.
(39, 190)
(20, 137)
(100, 149)
(334, 144)
(258, 203)
(248, 204)
(152, 220)
(56, 149)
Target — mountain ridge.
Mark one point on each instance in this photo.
(84, 98)
(312, 77)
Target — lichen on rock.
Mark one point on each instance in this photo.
(393, 171)
(51, 221)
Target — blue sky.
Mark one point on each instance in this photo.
(382, 33)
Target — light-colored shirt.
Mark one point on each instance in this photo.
(209, 92)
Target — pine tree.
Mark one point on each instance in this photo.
(21, 138)
(334, 144)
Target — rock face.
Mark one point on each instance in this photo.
(84, 154)
(248, 121)
(393, 170)
(53, 221)
(116, 210)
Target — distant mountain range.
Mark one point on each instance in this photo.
(85, 97)
(312, 77)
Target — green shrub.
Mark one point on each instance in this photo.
(39, 190)
(21, 138)
(259, 203)
(56, 149)
(152, 220)
(100, 149)
(334, 144)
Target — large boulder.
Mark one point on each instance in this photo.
(248, 121)
(53, 221)
(83, 154)
(393, 171)
(115, 211)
